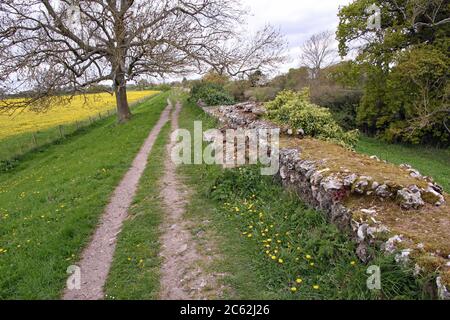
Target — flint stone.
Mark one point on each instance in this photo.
(383, 191)
(410, 199)
(332, 183)
(350, 180)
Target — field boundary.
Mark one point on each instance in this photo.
(58, 133)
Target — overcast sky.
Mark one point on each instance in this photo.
(298, 19)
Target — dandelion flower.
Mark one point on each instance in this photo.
(294, 289)
(280, 261)
(316, 287)
(299, 280)
(353, 263)
(274, 258)
(308, 257)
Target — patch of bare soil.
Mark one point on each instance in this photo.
(97, 257)
(184, 274)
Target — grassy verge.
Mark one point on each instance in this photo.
(275, 247)
(51, 202)
(428, 160)
(135, 270)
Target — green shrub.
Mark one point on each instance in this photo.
(261, 94)
(211, 94)
(238, 88)
(162, 87)
(296, 110)
(417, 97)
(342, 103)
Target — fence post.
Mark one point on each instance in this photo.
(61, 133)
(34, 139)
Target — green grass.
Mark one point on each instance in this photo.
(227, 199)
(51, 201)
(135, 272)
(429, 161)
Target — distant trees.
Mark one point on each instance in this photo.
(404, 67)
(69, 45)
(318, 52)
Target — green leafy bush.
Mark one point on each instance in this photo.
(417, 96)
(162, 87)
(211, 94)
(261, 94)
(342, 103)
(296, 110)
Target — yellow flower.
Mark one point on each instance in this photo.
(293, 289)
(299, 280)
(316, 287)
(250, 235)
(280, 261)
(308, 257)
(353, 263)
(312, 264)
(274, 258)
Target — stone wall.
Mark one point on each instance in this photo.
(327, 192)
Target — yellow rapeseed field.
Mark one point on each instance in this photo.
(79, 109)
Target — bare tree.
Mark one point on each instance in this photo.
(49, 47)
(318, 52)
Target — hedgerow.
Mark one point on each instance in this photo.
(295, 110)
(211, 94)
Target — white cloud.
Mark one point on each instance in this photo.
(297, 19)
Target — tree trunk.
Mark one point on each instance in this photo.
(123, 109)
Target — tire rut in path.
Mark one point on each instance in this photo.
(97, 257)
(183, 275)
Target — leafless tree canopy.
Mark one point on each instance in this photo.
(318, 52)
(53, 46)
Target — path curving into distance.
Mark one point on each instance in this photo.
(97, 257)
(184, 274)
